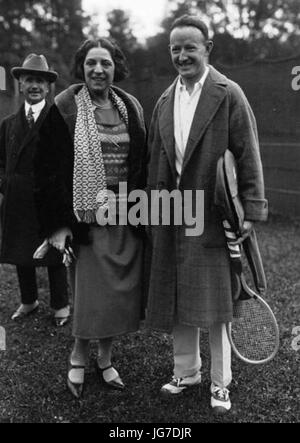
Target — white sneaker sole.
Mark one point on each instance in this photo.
(220, 407)
(169, 389)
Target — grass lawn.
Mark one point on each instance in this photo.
(33, 368)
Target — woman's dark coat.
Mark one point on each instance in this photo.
(55, 161)
(20, 229)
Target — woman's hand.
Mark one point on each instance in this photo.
(58, 239)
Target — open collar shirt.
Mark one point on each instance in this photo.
(185, 105)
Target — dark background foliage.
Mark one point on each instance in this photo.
(242, 31)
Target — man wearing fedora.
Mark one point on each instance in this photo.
(20, 230)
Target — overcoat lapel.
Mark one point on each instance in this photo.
(34, 130)
(166, 125)
(212, 95)
(19, 127)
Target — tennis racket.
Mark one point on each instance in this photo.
(254, 332)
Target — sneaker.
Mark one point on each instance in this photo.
(178, 385)
(220, 401)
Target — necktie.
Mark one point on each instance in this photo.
(30, 118)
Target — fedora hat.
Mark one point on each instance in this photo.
(35, 64)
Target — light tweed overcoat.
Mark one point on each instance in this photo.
(190, 277)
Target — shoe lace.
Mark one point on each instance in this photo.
(220, 393)
(177, 380)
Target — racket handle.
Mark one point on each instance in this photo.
(255, 262)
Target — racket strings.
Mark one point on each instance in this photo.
(253, 330)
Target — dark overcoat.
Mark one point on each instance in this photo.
(20, 229)
(190, 277)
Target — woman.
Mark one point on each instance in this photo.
(93, 139)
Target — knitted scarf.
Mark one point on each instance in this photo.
(89, 180)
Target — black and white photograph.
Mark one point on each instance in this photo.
(149, 214)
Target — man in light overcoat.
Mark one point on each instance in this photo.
(197, 118)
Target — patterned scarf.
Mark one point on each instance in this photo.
(89, 181)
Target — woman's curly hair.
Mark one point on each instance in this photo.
(120, 61)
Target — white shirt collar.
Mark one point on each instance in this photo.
(37, 108)
(198, 85)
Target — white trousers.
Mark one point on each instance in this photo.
(187, 360)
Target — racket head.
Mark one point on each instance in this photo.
(254, 332)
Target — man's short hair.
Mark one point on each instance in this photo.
(191, 20)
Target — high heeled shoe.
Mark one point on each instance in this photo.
(76, 389)
(62, 317)
(24, 311)
(111, 378)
